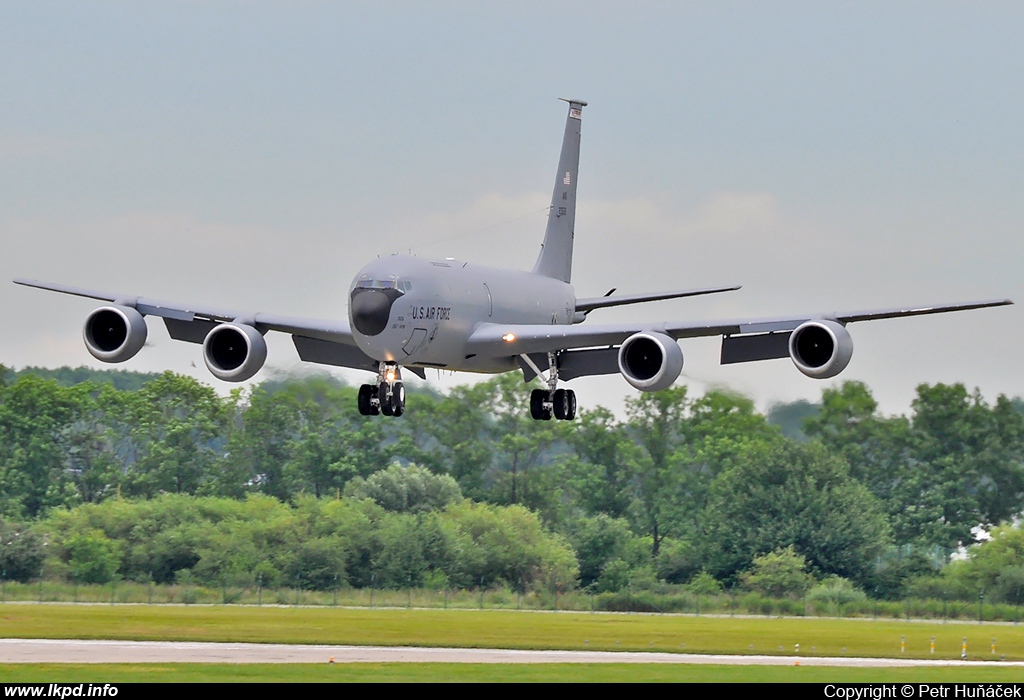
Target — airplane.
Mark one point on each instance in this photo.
(412, 313)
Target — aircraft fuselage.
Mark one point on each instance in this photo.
(420, 312)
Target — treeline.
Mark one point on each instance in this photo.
(158, 478)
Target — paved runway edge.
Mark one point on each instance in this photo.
(77, 651)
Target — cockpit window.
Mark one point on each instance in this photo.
(365, 282)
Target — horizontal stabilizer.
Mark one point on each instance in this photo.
(589, 304)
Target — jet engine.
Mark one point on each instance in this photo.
(234, 352)
(650, 361)
(114, 333)
(820, 349)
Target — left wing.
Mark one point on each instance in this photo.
(316, 340)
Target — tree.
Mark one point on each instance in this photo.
(954, 464)
(786, 494)
(681, 448)
(37, 421)
(178, 425)
(598, 472)
(656, 423)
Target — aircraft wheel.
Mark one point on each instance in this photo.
(560, 404)
(570, 399)
(365, 405)
(385, 402)
(397, 399)
(537, 411)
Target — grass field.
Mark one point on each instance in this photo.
(512, 630)
(498, 673)
(508, 630)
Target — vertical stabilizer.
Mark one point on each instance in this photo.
(555, 258)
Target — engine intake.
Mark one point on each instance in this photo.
(820, 349)
(114, 333)
(650, 361)
(234, 352)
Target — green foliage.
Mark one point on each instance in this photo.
(406, 489)
(21, 551)
(896, 570)
(778, 574)
(1009, 584)
(92, 557)
(955, 464)
(792, 417)
(835, 591)
(705, 584)
(600, 541)
(119, 379)
(685, 484)
(990, 564)
(791, 495)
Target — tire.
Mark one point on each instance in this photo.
(537, 397)
(560, 404)
(397, 399)
(385, 402)
(570, 396)
(365, 405)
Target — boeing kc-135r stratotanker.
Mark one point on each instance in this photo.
(411, 313)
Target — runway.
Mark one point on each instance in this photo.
(76, 651)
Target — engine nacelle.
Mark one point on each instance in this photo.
(650, 361)
(234, 352)
(114, 333)
(820, 349)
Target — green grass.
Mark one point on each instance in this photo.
(509, 630)
(499, 673)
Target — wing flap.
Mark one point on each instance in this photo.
(331, 353)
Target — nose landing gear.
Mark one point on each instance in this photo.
(560, 403)
(387, 396)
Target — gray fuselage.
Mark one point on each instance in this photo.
(419, 312)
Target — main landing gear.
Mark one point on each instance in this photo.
(560, 403)
(387, 396)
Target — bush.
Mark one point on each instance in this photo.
(704, 584)
(22, 551)
(835, 592)
(93, 557)
(780, 574)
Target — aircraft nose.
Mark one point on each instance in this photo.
(371, 309)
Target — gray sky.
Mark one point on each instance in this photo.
(827, 156)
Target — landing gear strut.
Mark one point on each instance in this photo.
(545, 403)
(387, 396)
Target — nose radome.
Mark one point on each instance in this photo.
(371, 309)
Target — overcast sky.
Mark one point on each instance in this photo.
(827, 156)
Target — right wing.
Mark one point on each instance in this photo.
(593, 345)
(490, 338)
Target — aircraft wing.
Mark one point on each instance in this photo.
(503, 339)
(325, 341)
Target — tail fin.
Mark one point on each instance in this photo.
(555, 258)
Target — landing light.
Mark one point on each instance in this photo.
(508, 337)
(391, 375)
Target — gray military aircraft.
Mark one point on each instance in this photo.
(412, 313)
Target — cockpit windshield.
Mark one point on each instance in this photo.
(367, 282)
